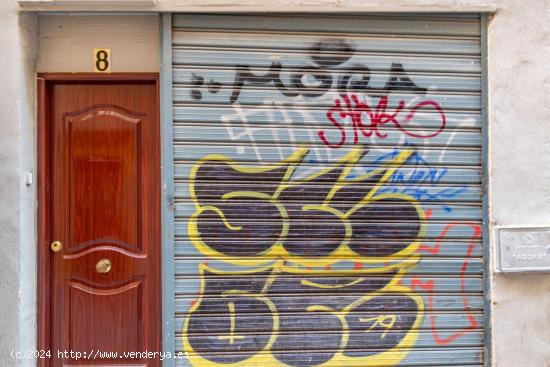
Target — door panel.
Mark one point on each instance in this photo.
(104, 164)
(118, 330)
(105, 201)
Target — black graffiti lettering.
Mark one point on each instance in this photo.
(243, 75)
(345, 81)
(334, 292)
(213, 86)
(295, 337)
(229, 344)
(312, 232)
(328, 57)
(400, 81)
(220, 327)
(234, 320)
(319, 234)
(248, 222)
(249, 237)
(322, 84)
(196, 81)
(382, 329)
(372, 226)
(331, 52)
(277, 67)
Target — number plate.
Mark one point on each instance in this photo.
(102, 60)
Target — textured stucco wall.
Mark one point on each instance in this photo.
(9, 190)
(519, 49)
(17, 201)
(519, 92)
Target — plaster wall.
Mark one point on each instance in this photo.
(519, 108)
(17, 200)
(66, 42)
(519, 151)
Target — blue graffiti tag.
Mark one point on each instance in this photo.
(413, 182)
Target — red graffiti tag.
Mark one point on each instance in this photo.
(430, 285)
(377, 117)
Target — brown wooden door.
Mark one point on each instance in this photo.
(105, 283)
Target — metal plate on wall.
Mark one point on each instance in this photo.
(524, 249)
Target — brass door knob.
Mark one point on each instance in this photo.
(103, 266)
(56, 246)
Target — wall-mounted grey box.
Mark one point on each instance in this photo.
(522, 249)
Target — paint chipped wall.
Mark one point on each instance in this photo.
(519, 88)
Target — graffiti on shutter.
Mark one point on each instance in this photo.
(328, 208)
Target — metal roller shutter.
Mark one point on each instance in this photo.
(328, 190)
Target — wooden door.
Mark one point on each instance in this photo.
(104, 205)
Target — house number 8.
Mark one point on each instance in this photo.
(102, 60)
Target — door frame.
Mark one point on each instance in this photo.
(43, 187)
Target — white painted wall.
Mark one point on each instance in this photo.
(519, 92)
